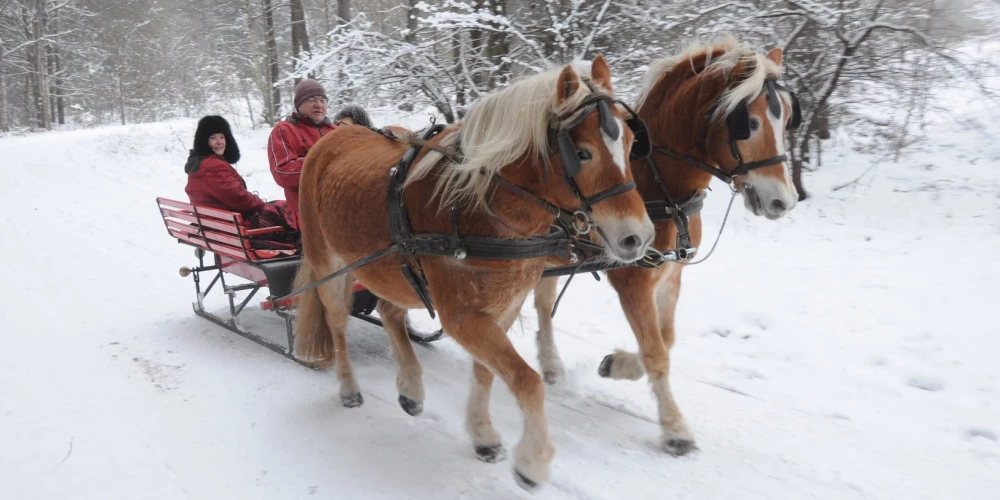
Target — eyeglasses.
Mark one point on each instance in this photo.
(316, 100)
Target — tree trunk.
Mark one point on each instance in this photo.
(56, 70)
(411, 22)
(800, 155)
(4, 103)
(498, 46)
(344, 11)
(326, 16)
(300, 35)
(53, 78)
(60, 80)
(259, 70)
(272, 61)
(456, 54)
(41, 79)
(121, 99)
(477, 42)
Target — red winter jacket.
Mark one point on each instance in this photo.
(212, 182)
(290, 140)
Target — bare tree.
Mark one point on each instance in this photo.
(272, 62)
(300, 35)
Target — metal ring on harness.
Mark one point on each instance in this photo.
(582, 223)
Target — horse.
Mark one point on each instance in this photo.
(720, 111)
(555, 139)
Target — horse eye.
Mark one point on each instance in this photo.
(583, 155)
(754, 124)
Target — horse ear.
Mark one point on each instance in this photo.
(776, 55)
(569, 83)
(600, 73)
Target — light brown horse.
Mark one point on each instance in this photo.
(506, 135)
(688, 103)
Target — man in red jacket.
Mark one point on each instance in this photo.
(294, 136)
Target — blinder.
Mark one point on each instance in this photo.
(567, 152)
(739, 123)
(641, 145)
(774, 103)
(739, 119)
(796, 120)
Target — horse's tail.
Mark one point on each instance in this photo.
(313, 339)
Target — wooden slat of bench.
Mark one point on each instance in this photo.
(184, 227)
(225, 238)
(174, 205)
(218, 248)
(263, 230)
(219, 214)
(214, 230)
(226, 226)
(187, 238)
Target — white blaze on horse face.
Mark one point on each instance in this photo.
(775, 197)
(617, 146)
(778, 125)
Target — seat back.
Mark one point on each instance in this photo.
(218, 231)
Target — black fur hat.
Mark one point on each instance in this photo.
(214, 124)
(356, 113)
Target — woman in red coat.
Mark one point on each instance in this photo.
(212, 180)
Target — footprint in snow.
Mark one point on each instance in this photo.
(931, 384)
(980, 432)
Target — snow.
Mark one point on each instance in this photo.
(845, 351)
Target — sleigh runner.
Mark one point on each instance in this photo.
(228, 258)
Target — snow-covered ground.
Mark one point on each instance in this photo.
(846, 351)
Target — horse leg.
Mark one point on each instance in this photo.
(636, 290)
(409, 381)
(678, 438)
(336, 296)
(546, 293)
(484, 436)
(488, 344)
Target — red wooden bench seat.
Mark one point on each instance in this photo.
(214, 230)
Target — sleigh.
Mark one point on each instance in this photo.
(228, 258)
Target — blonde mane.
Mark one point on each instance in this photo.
(735, 54)
(499, 129)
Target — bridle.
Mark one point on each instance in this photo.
(739, 129)
(580, 221)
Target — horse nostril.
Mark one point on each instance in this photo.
(630, 242)
(778, 206)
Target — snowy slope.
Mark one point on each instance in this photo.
(846, 351)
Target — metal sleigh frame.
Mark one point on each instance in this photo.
(223, 234)
(364, 305)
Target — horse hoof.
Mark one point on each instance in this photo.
(525, 483)
(352, 399)
(413, 408)
(604, 369)
(679, 447)
(491, 454)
